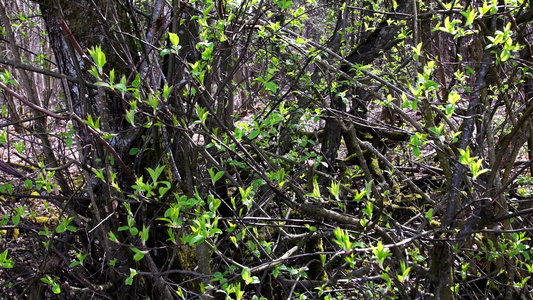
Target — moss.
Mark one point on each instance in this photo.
(188, 258)
(316, 268)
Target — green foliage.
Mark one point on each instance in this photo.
(92, 123)
(5, 78)
(138, 254)
(81, 257)
(129, 280)
(3, 136)
(6, 262)
(342, 238)
(149, 189)
(284, 4)
(64, 226)
(247, 196)
(202, 114)
(261, 136)
(417, 141)
(215, 177)
(99, 59)
(335, 189)
(503, 38)
(381, 253)
(472, 162)
(174, 39)
(248, 279)
(56, 288)
(404, 276)
(130, 226)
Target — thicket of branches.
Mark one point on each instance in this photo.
(263, 149)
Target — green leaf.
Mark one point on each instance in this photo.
(316, 189)
(130, 116)
(28, 183)
(47, 279)
(369, 209)
(166, 91)
(429, 214)
(123, 81)
(6, 262)
(138, 254)
(368, 188)
(112, 76)
(174, 39)
(154, 174)
(164, 52)
(108, 135)
(215, 177)
(505, 55)
(3, 255)
(137, 81)
(254, 134)
(214, 203)
(311, 228)
(450, 108)
(416, 151)
(164, 190)
(129, 281)
(381, 253)
(94, 72)
(73, 264)
(342, 238)
(248, 279)
(93, 124)
(20, 147)
(46, 231)
(98, 56)
(144, 234)
(134, 230)
(171, 236)
(153, 101)
(99, 173)
(16, 220)
(464, 157)
(284, 4)
(112, 237)
(61, 228)
(275, 272)
(245, 274)
(469, 15)
(202, 113)
(198, 239)
(271, 86)
(218, 175)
